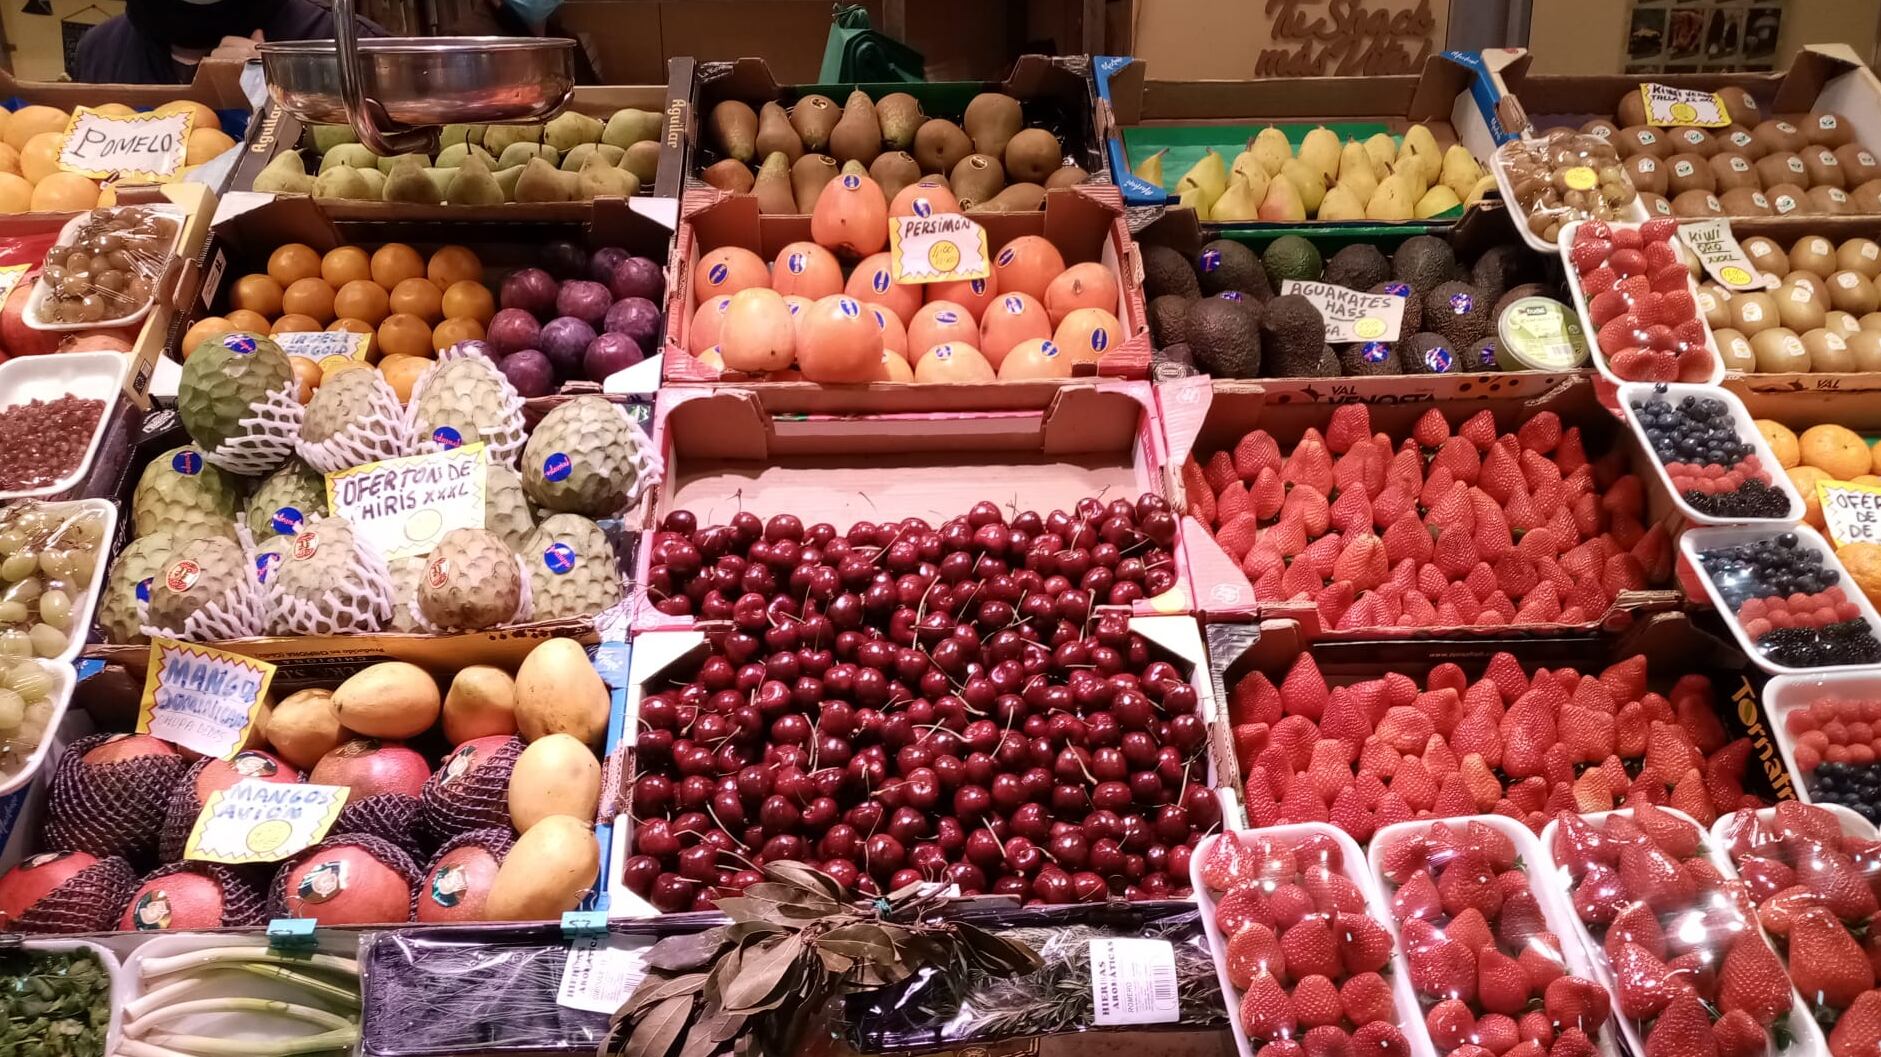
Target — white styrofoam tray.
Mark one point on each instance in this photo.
(86, 603)
(69, 234)
(1699, 540)
(1746, 431)
(1788, 693)
(1565, 249)
(1518, 215)
(1353, 866)
(234, 1026)
(1805, 1039)
(63, 680)
(120, 978)
(87, 375)
(1555, 910)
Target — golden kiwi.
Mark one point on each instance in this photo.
(1601, 127)
(1799, 306)
(1633, 139)
(1657, 206)
(1688, 172)
(1871, 321)
(1827, 351)
(1745, 202)
(1780, 135)
(1779, 351)
(1859, 255)
(1851, 291)
(1647, 173)
(1823, 167)
(1631, 109)
(1731, 169)
(1753, 312)
(1866, 198)
(1840, 323)
(1865, 347)
(1828, 129)
(1831, 201)
(1741, 105)
(1818, 290)
(1782, 167)
(1787, 199)
(1697, 203)
(1738, 138)
(1812, 253)
(1766, 255)
(1859, 165)
(1734, 349)
(1694, 141)
(1714, 303)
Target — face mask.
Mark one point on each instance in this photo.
(198, 23)
(534, 12)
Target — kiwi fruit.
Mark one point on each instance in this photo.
(1734, 350)
(1838, 322)
(1631, 109)
(1782, 167)
(1865, 347)
(1823, 167)
(1635, 139)
(1779, 351)
(1697, 202)
(1730, 169)
(1829, 201)
(1800, 305)
(1738, 139)
(1766, 255)
(1812, 253)
(1780, 136)
(1859, 165)
(1851, 291)
(1828, 129)
(1646, 172)
(1752, 312)
(1657, 206)
(1601, 127)
(1787, 198)
(1714, 303)
(1697, 141)
(1741, 105)
(1688, 172)
(1859, 255)
(1827, 352)
(1818, 290)
(1871, 321)
(1866, 198)
(1745, 202)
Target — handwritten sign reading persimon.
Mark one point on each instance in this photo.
(943, 247)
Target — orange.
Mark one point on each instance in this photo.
(453, 264)
(352, 326)
(344, 264)
(1782, 442)
(64, 192)
(257, 293)
(333, 365)
(1836, 450)
(1805, 478)
(1869, 479)
(16, 193)
(30, 121)
(395, 262)
(204, 329)
(295, 323)
(307, 376)
(1863, 562)
(1876, 451)
(205, 142)
(469, 298)
(293, 262)
(420, 298)
(404, 333)
(40, 157)
(253, 322)
(309, 297)
(203, 116)
(452, 331)
(402, 373)
(362, 299)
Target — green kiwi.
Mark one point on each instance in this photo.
(1810, 281)
(1841, 323)
(1766, 255)
(1866, 348)
(1734, 348)
(1694, 141)
(1714, 303)
(1688, 172)
(1866, 197)
(1828, 129)
(1780, 135)
(1634, 139)
(1657, 206)
(1859, 164)
(1697, 202)
(1824, 168)
(1782, 167)
(1745, 202)
(1859, 255)
(1779, 351)
(1800, 306)
(1787, 198)
(1752, 312)
(1647, 173)
(1828, 201)
(1631, 109)
(1740, 104)
(1601, 127)
(1738, 138)
(1854, 293)
(1813, 254)
(1828, 352)
(1731, 169)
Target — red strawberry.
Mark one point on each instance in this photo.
(1683, 1030)
(1451, 1023)
(1639, 981)
(1443, 968)
(1219, 471)
(1431, 430)
(1572, 1043)
(1588, 255)
(1836, 881)
(1752, 979)
(1200, 493)
(1367, 997)
(1497, 1033)
(1502, 985)
(1468, 881)
(1364, 945)
(1724, 773)
(1254, 950)
(1325, 1040)
(1459, 458)
(1349, 425)
(1304, 689)
(1266, 1011)
(1576, 1004)
(1267, 493)
(1605, 305)
(1253, 453)
(1858, 1032)
(1540, 433)
(1826, 964)
(1501, 477)
(1309, 467)
(1316, 1001)
(1233, 501)
(1740, 1035)
(1417, 899)
(1254, 700)
(1380, 1039)
(1309, 947)
(1480, 429)
(1655, 877)
(1237, 536)
(1674, 836)
(1455, 553)
(1599, 281)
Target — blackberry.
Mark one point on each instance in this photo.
(1696, 430)
(1853, 786)
(1753, 499)
(1847, 642)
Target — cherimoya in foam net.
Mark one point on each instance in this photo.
(237, 399)
(354, 418)
(463, 399)
(207, 592)
(332, 582)
(587, 457)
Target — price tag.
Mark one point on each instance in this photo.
(141, 147)
(1352, 315)
(405, 506)
(1851, 511)
(1667, 106)
(10, 277)
(323, 345)
(601, 972)
(255, 822)
(1133, 981)
(1723, 259)
(939, 248)
(203, 699)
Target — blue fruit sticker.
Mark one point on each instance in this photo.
(717, 274)
(286, 520)
(797, 262)
(848, 307)
(239, 343)
(923, 208)
(448, 886)
(264, 565)
(557, 467)
(946, 316)
(852, 181)
(1375, 352)
(1439, 360)
(1100, 339)
(1210, 260)
(447, 437)
(1486, 356)
(1398, 289)
(559, 558)
(1460, 302)
(1005, 256)
(880, 282)
(187, 462)
(1014, 305)
(1229, 295)
(978, 286)
(143, 589)
(942, 352)
(1047, 349)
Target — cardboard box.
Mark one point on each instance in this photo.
(1085, 223)
(277, 131)
(661, 657)
(1055, 92)
(217, 85)
(728, 449)
(1201, 417)
(1475, 232)
(1452, 96)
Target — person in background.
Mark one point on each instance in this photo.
(522, 18)
(163, 41)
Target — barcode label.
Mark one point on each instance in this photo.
(601, 972)
(1133, 981)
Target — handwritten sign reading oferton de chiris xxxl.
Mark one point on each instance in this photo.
(148, 146)
(203, 699)
(1852, 512)
(405, 506)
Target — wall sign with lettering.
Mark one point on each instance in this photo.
(1350, 38)
(138, 148)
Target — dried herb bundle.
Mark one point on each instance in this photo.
(54, 1003)
(797, 940)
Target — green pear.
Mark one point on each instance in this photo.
(1209, 176)
(386, 165)
(453, 156)
(1395, 199)
(497, 138)
(343, 181)
(542, 182)
(375, 183)
(285, 175)
(506, 180)
(327, 137)
(568, 129)
(356, 155)
(1383, 151)
(1307, 180)
(1355, 170)
(642, 159)
(575, 159)
(1436, 202)
(772, 186)
(1320, 151)
(469, 135)
(1282, 203)
(473, 185)
(630, 126)
(408, 182)
(598, 179)
(1239, 203)
(1273, 148)
(1341, 203)
(519, 153)
(1150, 169)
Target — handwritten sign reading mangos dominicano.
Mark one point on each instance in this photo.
(1319, 38)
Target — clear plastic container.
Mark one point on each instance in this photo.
(1504, 160)
(126, 280)
(1565, 248)
(85, 602)
(1747, 431)
(1698, 541)
(64, 679)
(87, 375)
(1788, 693)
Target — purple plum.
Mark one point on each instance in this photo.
(638, 277)
(530, 372)
(637, 318)
(586, 301)
(565, 260)
(601, 265)
(476, 345)
(609, 353)
(513, 330)
(565, 340)
(530, 289)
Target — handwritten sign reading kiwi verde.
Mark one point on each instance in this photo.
(1351, 315)
(203, 699)
(128, 147)
(255, 821)
(937, 248)
(405, 506)
(1723, 259)
(1669, 107)
(1851, 511)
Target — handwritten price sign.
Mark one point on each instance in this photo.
(1851, 511)
(405, 506)
(139, 147)
(202, 699)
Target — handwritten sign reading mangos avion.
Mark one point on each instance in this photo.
(1348, 38)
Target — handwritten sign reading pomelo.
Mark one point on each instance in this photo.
(405, 506)
(203, 699)
(136, 147)
(255, 821)
(942, 247)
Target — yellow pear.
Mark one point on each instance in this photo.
(1308, 181)
(1209, 176)
(1150, 169)
(1355, 171)
(1248, 168)
(1239, 203)
(1394, 199)
(1341, 203)
(1383, 151)
(1320, 150)
(1436, 202)
(1484, 185)
(1419, 143)
(1460, 170)
(1193, 199)
(1272, 147)
(1282, 203)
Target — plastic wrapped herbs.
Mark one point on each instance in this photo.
(54, 1003)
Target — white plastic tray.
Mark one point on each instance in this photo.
(1637, 213)
(120, 979)
(69, 233)
(88, 375)
(64, 679)
(1787, 693)
(1718, 845)
(1704, 539)
(1564, 248)
(1805, 1039)
(1746, 431)
(239, 1027)
(1411, 1015)
(87, 604)
(1555, 910)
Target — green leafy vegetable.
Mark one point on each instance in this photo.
(54, 1004)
